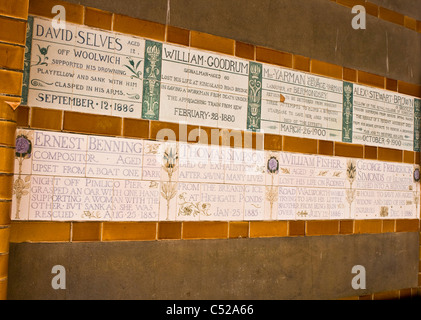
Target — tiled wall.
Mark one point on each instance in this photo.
(82, 123)
(72, 122)
(207, 89)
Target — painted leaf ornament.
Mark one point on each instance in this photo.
(273, 165)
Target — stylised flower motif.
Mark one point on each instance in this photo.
(23, 147)
(153, 51)
(23, 152)
(169, 189)
(255, 70)
(348, 89)
(193, 209)
(19, 186)
(187, 211)
(133, 67)
(417, 175)
(42, 58)
(44, 51)
(273, 165)
(351, 171)
(271, 192)
(170, 158)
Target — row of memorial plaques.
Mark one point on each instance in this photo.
(87, 70)
(62, 176)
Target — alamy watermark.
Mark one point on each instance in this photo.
(359, 21)
(223, 137)
(359, 281)
(59, 21)
(59, 281)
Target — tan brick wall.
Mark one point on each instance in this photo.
(12, 37)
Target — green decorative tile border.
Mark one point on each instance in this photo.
(417, 111)
(255, 85)
(27, 62)
(151, 82)
(347, 112)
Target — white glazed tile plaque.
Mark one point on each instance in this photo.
(84, 69)
(173, 103)
(40, 201)
(135, 200)
(287, 203)
(152, 161)
(97, 200)
(310, 103)
(225, 202)
(59, 154)
(114, 158)
(189, 206)
(52, 66)
(254, 202)
(255, 165)
(366, 205)
(174, 65)
(68, 199)
(200, 163)
(232, 111)
(313, 204)
(203, 87)
(298, 170)
(234, 92)
(126, 97)
(338, 205)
